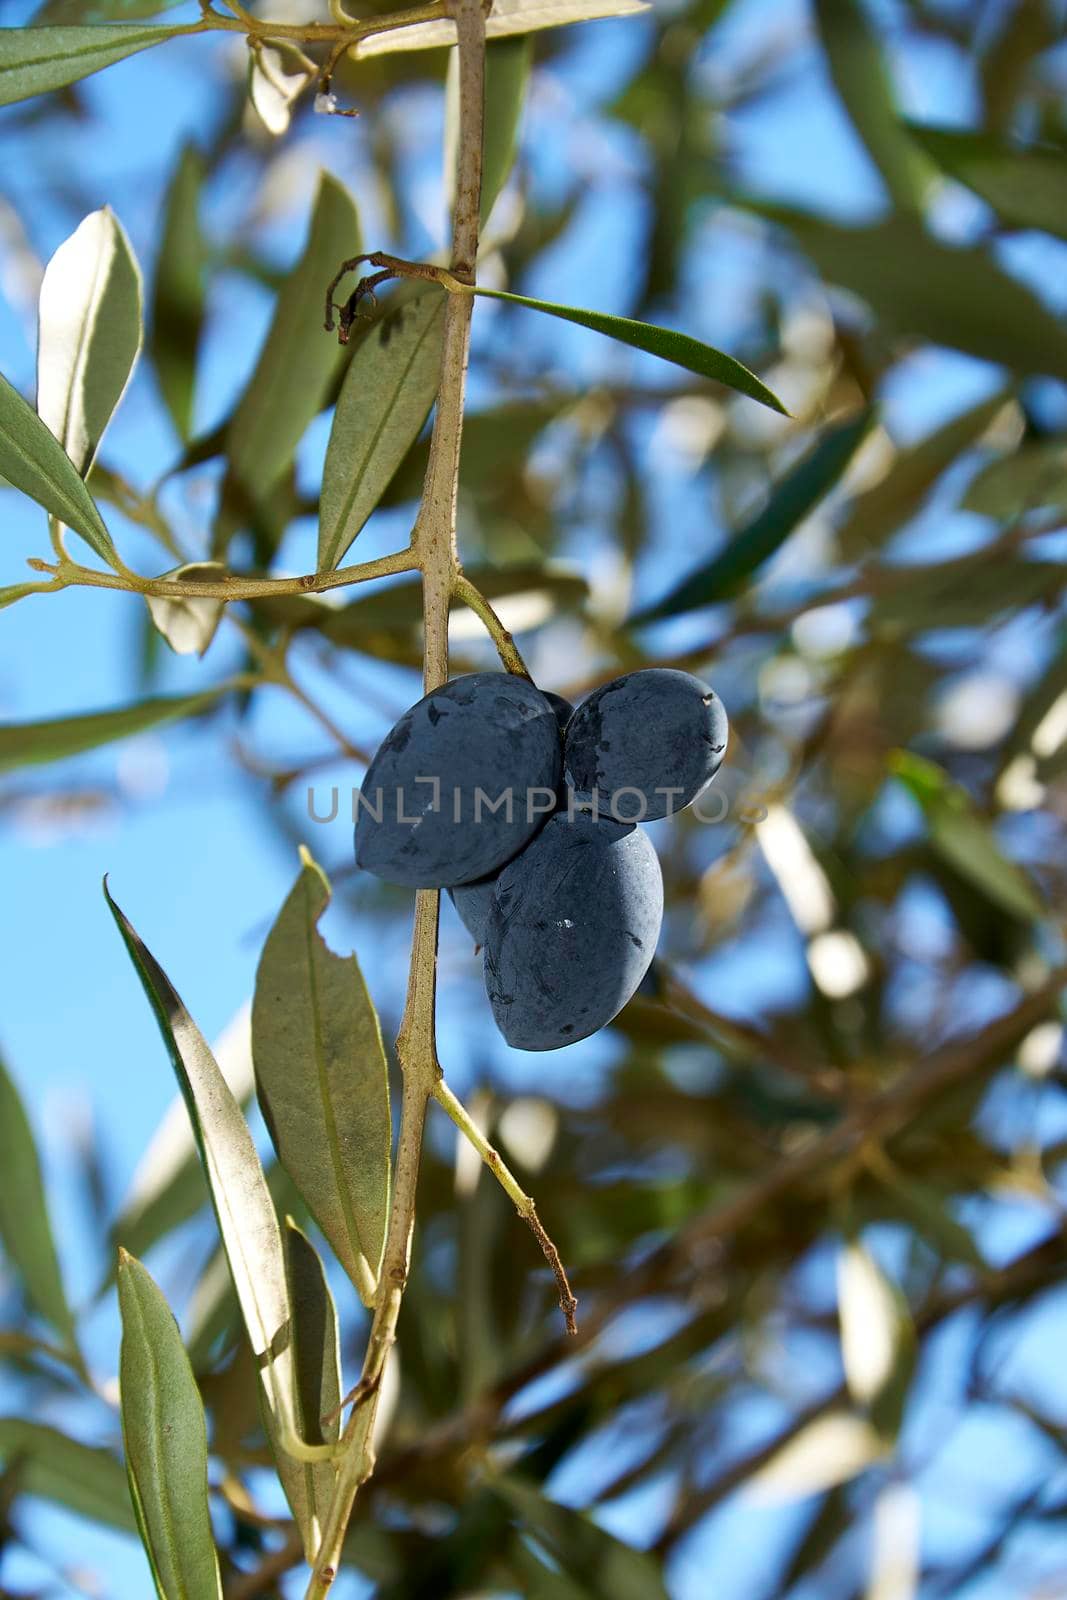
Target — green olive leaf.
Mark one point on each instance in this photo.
(35, 60)
(165, 1436)
(299, 360)
(30, 744)
(33, 460)
(385, 399)
(86, 1480)
(178, 299)
(322, 1080)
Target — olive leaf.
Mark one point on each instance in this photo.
(165, 1437)
(317, 1358)
(33, 460)
(298, 361)
(30, 744)
(386, 396)
(178, 300)
(189, 625)
(25, 1227)
(507, 17)
(681, 349)
(84, 1479)
(1027, 188)
(35, 60)
(243, 1206)
(798, 493)
(322, 1079)
(89, 334)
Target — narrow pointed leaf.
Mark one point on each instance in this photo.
(17, 591)
(89, 334)
(507, 17)
(317, 1355)
(322, 1080)
(165, 1436)
(798, 493)
(299, 359)
(84, 1479)
(243, 1206)
(861, 79)
(681, 349)
(35, 60)
(25, 1228)
(1026, 188)
(178, 299)
(33, 460)
(385, 399)
(30, 744)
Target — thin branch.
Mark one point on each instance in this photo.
(506, 648)
(230, 587)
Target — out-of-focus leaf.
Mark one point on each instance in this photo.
(607, 1568)
(298, 360)
(30, 744)
(1026, 188)
(34, 60)
(189, 625)
(387, 393)
(25, 1228)
(791, 501)
(86, 1480)
(681, 349)
(957, 594)
(880, 511)
(962, 837)
(828, 1451)
(165, 1437)
(239, 1193)
(507, 17)
(178, 300)
(33, 460)
(928, 1212)
(877, 1338)
(916, 285)
(495, 446)
(322, 1079)
(56, 11)
(317, 1358)
(858, 70)
(507, 72)
(1035, 475)
(89, 334)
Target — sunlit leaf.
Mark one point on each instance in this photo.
(86, 1480)
(34, 60)
(25, 1228)
(89, 335)
(829, 1450)
(964, 839)
(681, 349)
(861, 79)
(506, 17)
(299, 359)
(33, 460)
(243, 1206)
(317, 1357)
(30, 744)
(798, 493)
(388, 391)
(322, 1079)
(189, 625)
(178, 299)
(873, 1323)
(1026, 188)
(273, 88)
(165, 1436)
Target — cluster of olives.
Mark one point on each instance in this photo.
(527, 811)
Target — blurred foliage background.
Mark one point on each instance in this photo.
(809, 1185)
